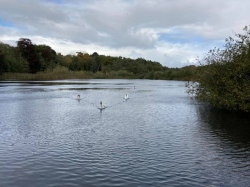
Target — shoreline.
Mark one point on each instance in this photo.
(71, 75)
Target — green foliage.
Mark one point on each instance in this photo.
(47, 57)
(1, 61)
(28, 57)
(60, 69)
(11, 60)
(224, 79)
(28, 51)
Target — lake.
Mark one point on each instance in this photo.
(157, 137)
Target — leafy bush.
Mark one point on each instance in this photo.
(224, 79)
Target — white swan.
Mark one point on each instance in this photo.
(101, 106)
(78, 97)
(126, 96)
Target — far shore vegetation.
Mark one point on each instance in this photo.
(28, 61)
(222, 79)
(59, 72)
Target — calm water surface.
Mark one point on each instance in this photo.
(158, 137)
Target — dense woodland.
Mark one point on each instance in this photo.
(30, 58)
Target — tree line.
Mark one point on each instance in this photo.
(27, 57)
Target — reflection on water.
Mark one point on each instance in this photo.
(230, 125)
(157, 137)
(228, 134)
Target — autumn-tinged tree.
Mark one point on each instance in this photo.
(84, 62)
(224, 81)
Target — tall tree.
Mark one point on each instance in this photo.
(27, 50)
(47, 56)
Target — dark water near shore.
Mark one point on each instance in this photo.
(158, 137)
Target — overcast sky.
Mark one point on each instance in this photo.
(172, 32)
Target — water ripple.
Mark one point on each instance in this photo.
(156, 138)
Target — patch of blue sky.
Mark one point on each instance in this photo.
(182, 38)
(5, 23)
(55, 1)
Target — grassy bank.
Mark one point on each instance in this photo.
(64, 75)
(42, 76)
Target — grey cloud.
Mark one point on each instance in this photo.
(119, 24)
